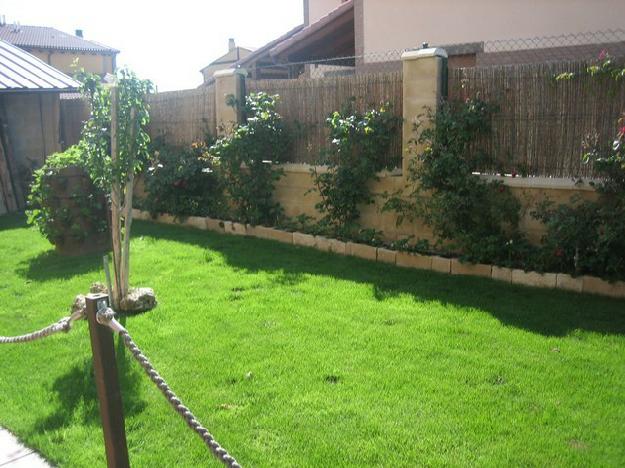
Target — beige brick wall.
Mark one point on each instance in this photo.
(291, 192)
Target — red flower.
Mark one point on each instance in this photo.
(559, 252)
(502, 189)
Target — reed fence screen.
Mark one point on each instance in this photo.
(306, 103)
(538, 129)
(183, 117)
(541, 123)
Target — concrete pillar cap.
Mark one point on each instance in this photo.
(230, 72)
(424, 53)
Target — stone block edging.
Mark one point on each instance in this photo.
(562, 281)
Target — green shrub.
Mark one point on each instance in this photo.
(588, 237)
(247, 157)
(475, 218)
(53, 217)
(183, 182)
(359, 143)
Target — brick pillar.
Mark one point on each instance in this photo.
(230, 82)
(425, 73)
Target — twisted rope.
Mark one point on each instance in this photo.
(63, 325)
(107, 317)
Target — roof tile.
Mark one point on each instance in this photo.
(44, 37)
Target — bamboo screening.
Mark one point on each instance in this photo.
(541, 123)
(305, 104)
(183, 117)
(538, 129)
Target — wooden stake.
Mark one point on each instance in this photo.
(107, 385)
(127, 212)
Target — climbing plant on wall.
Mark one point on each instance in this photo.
(359, 142)
(247, 158)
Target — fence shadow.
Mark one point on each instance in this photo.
(546, 312)
(76, 397)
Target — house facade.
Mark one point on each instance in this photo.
(381, 26)
(398, 24)
(61, 50)
(228, 60)
(378, 31)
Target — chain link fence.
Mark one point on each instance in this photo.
(542, 49)
(541, 123)
(379, 62)
(559, 48)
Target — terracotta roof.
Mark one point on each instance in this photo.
(21, 71)
(339, 11)
(44, 37)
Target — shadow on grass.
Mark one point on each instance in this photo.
(13, 221)
(547, 312)
(50, 265)
(76, 397)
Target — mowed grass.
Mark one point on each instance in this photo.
(292, 357)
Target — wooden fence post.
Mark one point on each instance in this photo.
(107, 384)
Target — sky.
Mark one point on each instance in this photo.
(167, 42)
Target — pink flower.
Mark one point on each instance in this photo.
(603, 54)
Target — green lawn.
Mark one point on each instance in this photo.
(351, 362)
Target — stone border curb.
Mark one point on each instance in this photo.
(562, 281)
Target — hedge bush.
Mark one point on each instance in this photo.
(183, 182)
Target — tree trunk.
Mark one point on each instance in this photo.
(115, 209)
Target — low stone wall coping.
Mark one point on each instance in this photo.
(552, 183)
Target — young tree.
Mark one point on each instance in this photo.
(116, 145)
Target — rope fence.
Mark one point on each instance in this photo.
(63, 325)
(105, 316)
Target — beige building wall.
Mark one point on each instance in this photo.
(319, 8)
(93, 63)
(398, 24)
